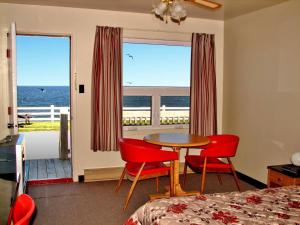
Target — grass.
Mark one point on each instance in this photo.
(55, 126)
(39, 126)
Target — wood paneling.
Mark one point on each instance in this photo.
(42, 169)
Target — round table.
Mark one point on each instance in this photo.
(176, 141)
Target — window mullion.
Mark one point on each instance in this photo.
(155, 110)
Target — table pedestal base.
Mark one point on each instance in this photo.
(177, 193)
(176, 141)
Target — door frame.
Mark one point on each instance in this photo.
(72, 82)
(12, 66)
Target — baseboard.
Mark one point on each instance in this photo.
(100, 174)
(250, 180)
(112, 173)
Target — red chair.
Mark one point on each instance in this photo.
(143, 161)
(221, 146)
(22, 211)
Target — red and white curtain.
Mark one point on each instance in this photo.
(107, 89)
(203, 108)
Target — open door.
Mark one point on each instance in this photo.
(12, 59)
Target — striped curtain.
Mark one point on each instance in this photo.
(107, 89)
(203, 108)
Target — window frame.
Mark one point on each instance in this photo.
(156, 92)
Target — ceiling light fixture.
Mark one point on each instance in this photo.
(170, 10)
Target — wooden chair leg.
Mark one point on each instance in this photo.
(203, 176)
(234, 174)
(220, 179)
(133, 186)
(120, 180)
(184, 173)
(157, 184)
(172, 188)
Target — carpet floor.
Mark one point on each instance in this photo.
(96, 203)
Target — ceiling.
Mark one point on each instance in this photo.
(229, 9)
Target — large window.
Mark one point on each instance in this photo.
(156, 80)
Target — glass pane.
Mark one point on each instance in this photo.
(156, 65)
(174, 110)
(137, 110)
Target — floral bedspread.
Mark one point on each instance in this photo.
(266, 206)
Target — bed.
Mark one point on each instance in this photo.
(265, 206)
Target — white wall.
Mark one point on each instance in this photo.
(262, 86)
(42, 144)
(80, 24)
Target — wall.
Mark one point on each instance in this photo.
(49, 140)
(80, 24)
(262, 86)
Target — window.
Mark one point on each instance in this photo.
(137, 110)
(174, 110)
(156, 79)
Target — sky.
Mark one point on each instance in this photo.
(156, 65)
(44, 61)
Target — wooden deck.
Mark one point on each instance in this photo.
(42, 169)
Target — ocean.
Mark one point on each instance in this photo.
(44, 96)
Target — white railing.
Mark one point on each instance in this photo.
(131, 115)
(142, 115)
(51, 113)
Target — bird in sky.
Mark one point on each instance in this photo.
(130, 56)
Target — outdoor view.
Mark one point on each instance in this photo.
(43, 80)
(150, 66)
(155, 77)
(43, 74)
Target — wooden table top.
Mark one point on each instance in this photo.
(176, 140)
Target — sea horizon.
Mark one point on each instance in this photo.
(59, 96)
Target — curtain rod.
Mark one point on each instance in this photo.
(160, 31)
(156, 41)
(185, 37)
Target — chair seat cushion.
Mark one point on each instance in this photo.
(196, 162)
(154, 169)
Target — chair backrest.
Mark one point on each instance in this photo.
(22, 210)
(223, 145)
(138, 151)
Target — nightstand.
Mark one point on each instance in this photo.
(278, 177)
